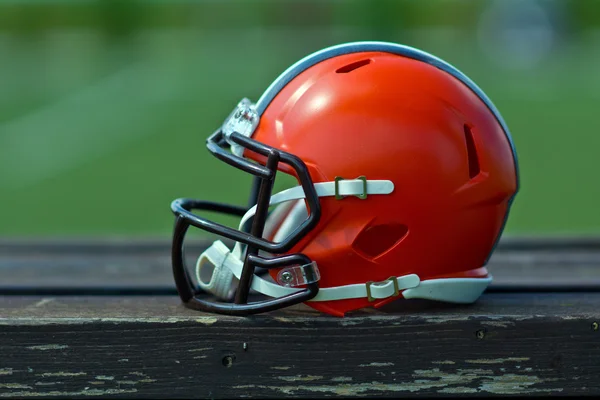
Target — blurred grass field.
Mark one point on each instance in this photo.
(98, 134)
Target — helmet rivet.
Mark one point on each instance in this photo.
(286, 277)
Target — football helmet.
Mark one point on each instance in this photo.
(405, 176)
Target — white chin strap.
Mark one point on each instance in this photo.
(227, 265)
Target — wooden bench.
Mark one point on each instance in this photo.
(101, 318)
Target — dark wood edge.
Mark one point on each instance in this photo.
(505, 345)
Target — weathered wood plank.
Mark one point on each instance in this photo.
(95, 263)
(143, 265)
(505, 344)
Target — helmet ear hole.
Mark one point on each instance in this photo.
(375, 240)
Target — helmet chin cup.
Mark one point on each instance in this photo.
(212, 273)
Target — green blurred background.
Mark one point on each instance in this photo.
(105, 105)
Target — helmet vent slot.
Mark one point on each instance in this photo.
(375, 240)
(471, 153)
(353, 66)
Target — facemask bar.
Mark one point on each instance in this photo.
(265, 175)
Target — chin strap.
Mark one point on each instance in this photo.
(227, 265)
(219, 256)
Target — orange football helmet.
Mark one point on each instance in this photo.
(406, 173)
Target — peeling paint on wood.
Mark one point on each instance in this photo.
(105, 378)
(498, 384)
(14, 386)
(285, 368)
(351, 322)
(498, 324)
(440, 319)
(447, 382)
(514, 384)
(207, 320)
(162, 320)
(48, 347)
(497, 360)
(444, 362)
(342, 379)
(48, 374)
(369, 319)
(33, 321)
(56, 393)
(345, 389)
(377, 364)
(300, 378)
(458, 390)
(6, 371)
(470, 373)
(489, 318)
(200, 349)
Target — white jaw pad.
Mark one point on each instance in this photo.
(275, 219)
(216, 257)
(228, 266)
(293, 219)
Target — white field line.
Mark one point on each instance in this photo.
(80, 127)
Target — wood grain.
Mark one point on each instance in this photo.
(136, 346)
(142, 266)
(515, 340)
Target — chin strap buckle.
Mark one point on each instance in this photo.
(361, 196)
(381, 286)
